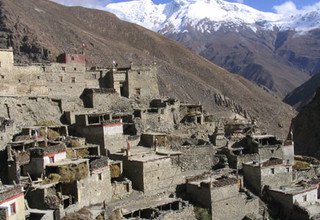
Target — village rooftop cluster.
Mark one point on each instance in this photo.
(119, 150)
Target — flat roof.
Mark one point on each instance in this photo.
(261, 136)
(147, 157)
(266, 163)
(155, 133)
(67, 162)
(294, 189)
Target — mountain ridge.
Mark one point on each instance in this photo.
(41, 30)
(264, 47)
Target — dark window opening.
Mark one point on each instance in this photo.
(73, 79)
(304, 198)
(100, 176)
(61, 78)
(13, 208)
(93, 120)
(75, 69)
(138, 91)
(51, 159)
(38, 77)
(272, 170)
(44, 69)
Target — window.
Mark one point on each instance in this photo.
(2, 76)
(44, 68)
(51, 159)
(19, 80)
(138, 91)
(272, 170)
(75, 69)
(100, 176)
(139, 72)
(73, 79)
(38, 77)
(272, 151)
(304, 198)
(61, 78)
(13, 208)
(72, 58)
(288, 170)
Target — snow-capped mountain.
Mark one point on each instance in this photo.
(178, 14)
(279, 51)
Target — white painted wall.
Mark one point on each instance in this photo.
(57, 157)
(17, 200)
(312, 196)
(113, 129)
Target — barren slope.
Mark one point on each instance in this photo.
(306, 128)
(302, 95)
(35, 26)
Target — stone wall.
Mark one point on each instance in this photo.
(28, 111)
(236, 161)
(236, 207)
(281, 176)
(121, 189)
(142, 81)
(219, 193)
(256, 177)
(252, 177)
(160, 175)
(134, 171)
(193, 157)
(199, 193)
(267, 152)
(96, 188)
(152, 176)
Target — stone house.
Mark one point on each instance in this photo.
(272, 173)
(221, 194)
(258, 148)
(191, 113)
(102, 130)
(297, 201)
(154, 140)
(78, 184)
(12, 205)
(151, 173)
(134, 81)
(41, 157)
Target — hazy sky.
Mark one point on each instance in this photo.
(263, 5)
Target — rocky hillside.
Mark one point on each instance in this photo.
(302, 95)
(306, 129)
(278, 51)
(39, 30)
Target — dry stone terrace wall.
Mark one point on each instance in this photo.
(195, 157)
